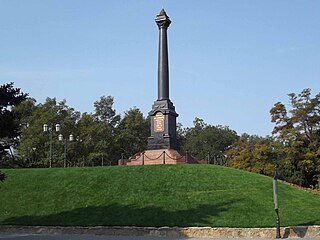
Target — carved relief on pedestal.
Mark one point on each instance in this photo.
(159, 122)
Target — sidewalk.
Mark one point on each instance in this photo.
(164, 232)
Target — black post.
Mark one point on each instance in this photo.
(142, 160)
(50, 158)
(65, 154)
(164, 157)
(122, 160)
(275, 198)
(186, 156)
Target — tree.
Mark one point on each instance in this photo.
(107, 121)
(88, 129)
(33, 150)
(298, 130)
(9, 122)
(133, 132)
(252, 153)
(104, 111)
(204, 139)
(181, 136)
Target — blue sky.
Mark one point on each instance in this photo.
(230, 60)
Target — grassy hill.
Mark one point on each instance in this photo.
(158, 195)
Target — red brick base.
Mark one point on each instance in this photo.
(161, 156)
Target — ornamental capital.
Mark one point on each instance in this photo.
(162, 20)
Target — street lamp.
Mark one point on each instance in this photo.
(65, 140)
(275, 198)
(49, 129)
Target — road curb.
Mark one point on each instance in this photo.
(195, 232)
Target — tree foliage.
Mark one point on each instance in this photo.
(252, 153)
(100, 138)
(204, 139)
(9, 122)
(133, 132)
(33, 150)
(10, 97)
(298, 130)
(294, 146)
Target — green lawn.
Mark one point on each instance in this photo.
(158, 195)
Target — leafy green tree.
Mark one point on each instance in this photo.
(253, 153)
(204, 139)
(87, 128)
(133, 132)
(298, 130)
(9, 121)
(104, 111)
(106, 123)
(181, 136)
(33, 149)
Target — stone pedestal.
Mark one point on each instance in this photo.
(163, 126)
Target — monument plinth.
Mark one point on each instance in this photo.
(162, 144)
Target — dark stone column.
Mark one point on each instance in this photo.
(163, 23)
(163, 114)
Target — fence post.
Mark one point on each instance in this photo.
(164, 157)
(142, 160)
(186, 156)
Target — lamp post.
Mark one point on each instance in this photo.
(65, 140)
(275, 198)
(49, 129)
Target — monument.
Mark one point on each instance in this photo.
(162, 144)
(163, 114)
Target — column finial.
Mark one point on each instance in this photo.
(162, 19)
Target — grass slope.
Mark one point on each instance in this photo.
(158, 195)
